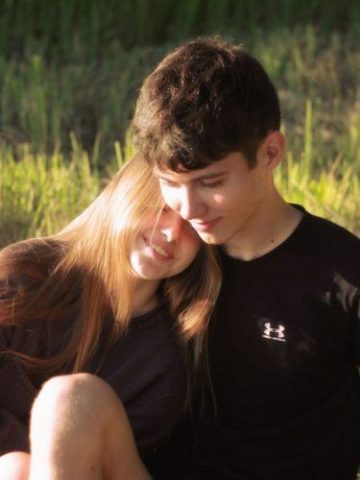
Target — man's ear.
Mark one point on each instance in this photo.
(272, 149)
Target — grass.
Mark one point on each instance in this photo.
(42, 103)
(331, 190)
(73, 29)
(70, 73)
(40, 193)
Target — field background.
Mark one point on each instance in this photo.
(70, 71)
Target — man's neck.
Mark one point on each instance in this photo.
(272, 224)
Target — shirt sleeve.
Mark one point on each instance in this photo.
(17, 391)
(357, 334)
(19, 385)
(13, 433)
(16, 396)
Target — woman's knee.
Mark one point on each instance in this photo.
(14, 466)
(72, 391)
(80, 400)
(80, 413)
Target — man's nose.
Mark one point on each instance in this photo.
(188, 205)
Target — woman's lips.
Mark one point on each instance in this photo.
(159, 250)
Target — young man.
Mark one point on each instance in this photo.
(283, 400)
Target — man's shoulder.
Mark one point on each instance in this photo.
(336, 249)
(330, 234)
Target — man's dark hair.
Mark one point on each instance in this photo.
(204, 100)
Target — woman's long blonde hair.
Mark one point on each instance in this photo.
(77, 273)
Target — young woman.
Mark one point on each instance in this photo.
(88, 308)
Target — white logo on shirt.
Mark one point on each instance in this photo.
(274, 333)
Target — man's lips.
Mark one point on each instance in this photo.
(203, 226)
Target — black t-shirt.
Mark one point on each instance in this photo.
(145, 367)
(284, 347)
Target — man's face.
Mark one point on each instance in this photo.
(221, 201)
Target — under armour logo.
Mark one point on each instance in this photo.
(274, 333)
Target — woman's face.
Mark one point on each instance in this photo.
(164, 247)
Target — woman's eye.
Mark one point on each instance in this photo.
(167, 183)
(212, 184)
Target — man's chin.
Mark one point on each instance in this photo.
(210, 239)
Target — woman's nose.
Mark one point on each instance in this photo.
(171, 225)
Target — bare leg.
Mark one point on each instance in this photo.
(14, 466)
(79, 430)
